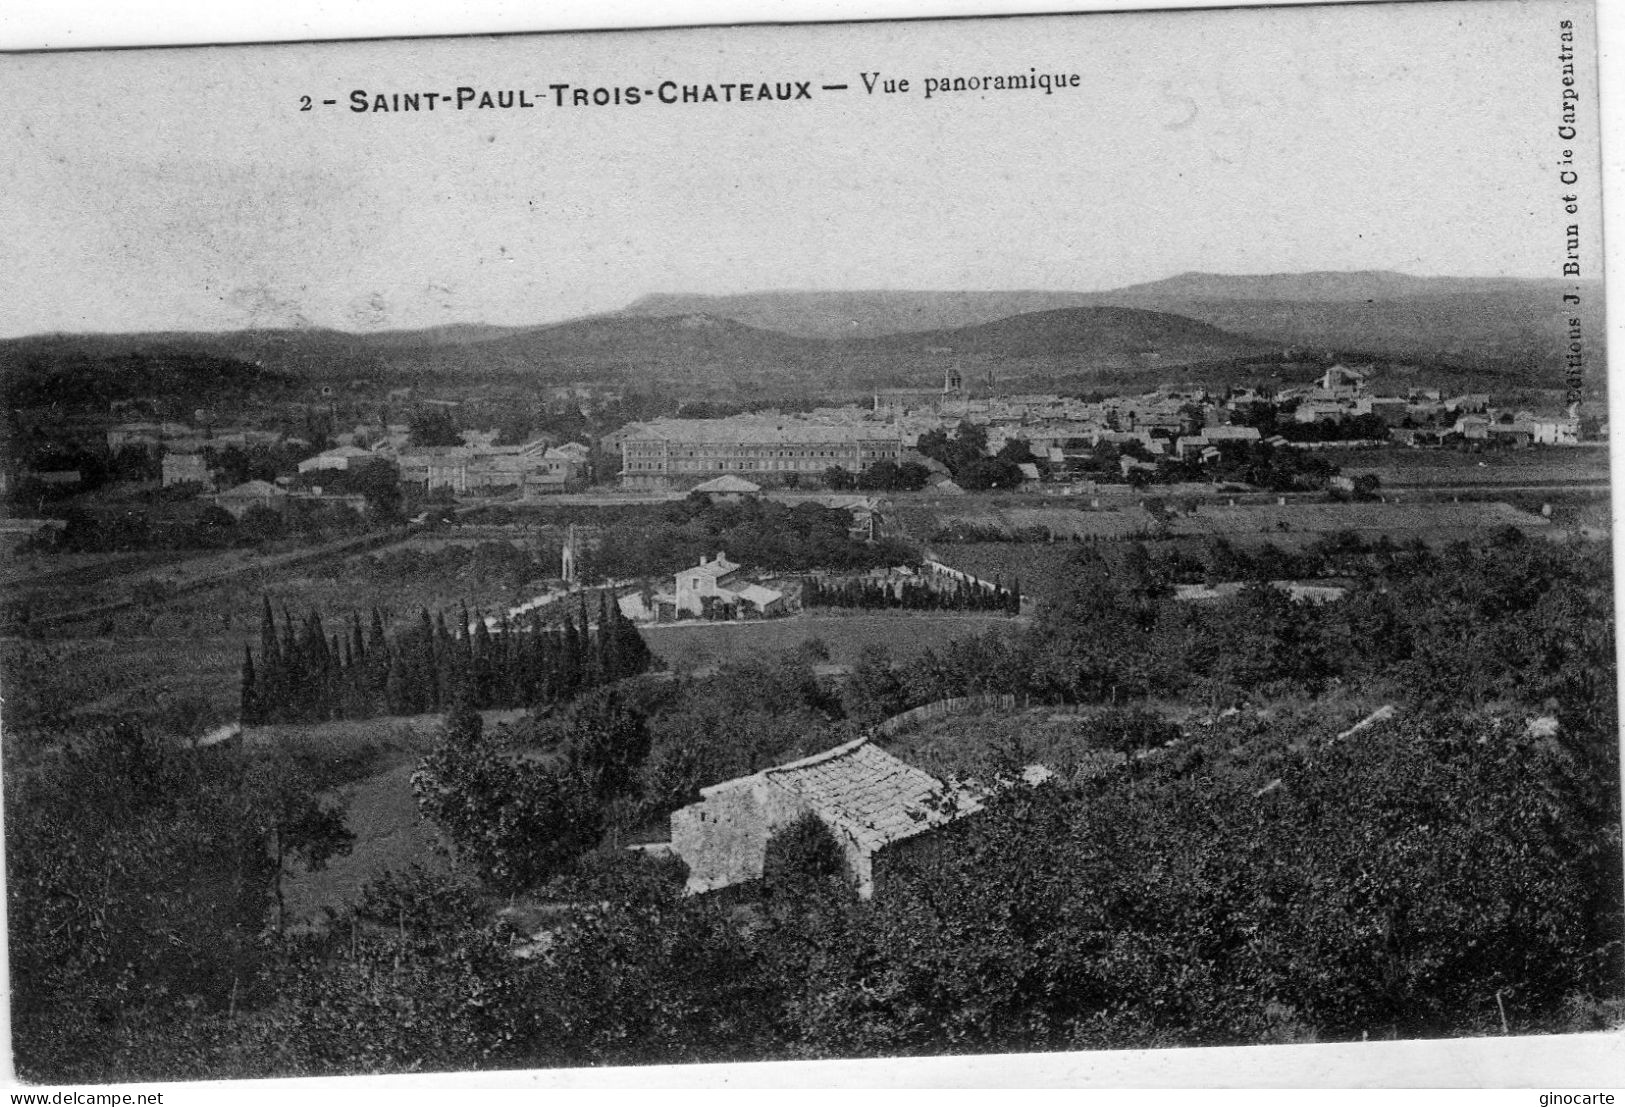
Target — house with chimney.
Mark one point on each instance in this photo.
(1342, 382)
(718, 588)
(715, 588)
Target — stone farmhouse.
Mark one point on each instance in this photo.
(876, 806)
(242, 499)
(185, 469)
(715, 588)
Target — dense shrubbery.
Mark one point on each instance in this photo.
(1470, 626)
(762, 534)
(882, 476)
(1416, 882)
(480, 567)
(184, 524)
(1260, 464)
(514, 823)
(748, 716)
(1393, 886)
(910, 596)
(521, 808)
(964, 453)
(1248, 877)
(141, 878)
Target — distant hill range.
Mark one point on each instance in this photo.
(1496, 323)
(702, 350)
(1494, 333)
(694, 353)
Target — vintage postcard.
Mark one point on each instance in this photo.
(912, 539)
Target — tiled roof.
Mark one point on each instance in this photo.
(255, 488)
(727, 484)
(758, 595)
(755, 431)
(875, 797)
(437, 453)
(721, 567)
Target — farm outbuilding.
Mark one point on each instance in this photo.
(728, 489)
(255, 493)
(872, 802)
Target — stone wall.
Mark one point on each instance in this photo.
(723, 838)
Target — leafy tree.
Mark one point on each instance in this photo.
(873, 691)
(609, 741)
(888, 476)
(803, 854)
(838, 478)
(1131, 732)
(434, 427)
(297, 826)
(982, 473)
(966, 447)
(380, 482)
(513, 822)
(139, 878)
(422, 989)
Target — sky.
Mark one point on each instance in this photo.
(185, 189)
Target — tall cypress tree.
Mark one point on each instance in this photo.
(536, 669)
(268, 650)
(292, 676)
(268, 687)
(426, 672)
(398, 687)
(607, 667)
(481, 661)
(249, 712)
(376, 670)
(590, 673)
(510, 665)
(632, 652)
(334, 684)
(570, 661)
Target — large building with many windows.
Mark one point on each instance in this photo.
(678, 453)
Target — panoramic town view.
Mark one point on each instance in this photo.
(1225, 657)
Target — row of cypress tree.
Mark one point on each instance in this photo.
(304, 673)
(911, 596)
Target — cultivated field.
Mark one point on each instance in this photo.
(380, 810)
(166, 649)
(1430, 520)
(177, 658)
(1028, 517)
(1040, 567)
(692, 646)
(1069, 740)
(1423, 468)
